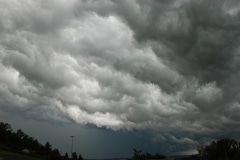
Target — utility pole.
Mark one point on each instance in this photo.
(72, 145)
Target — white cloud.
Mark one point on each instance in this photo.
(91, 70)
(209, 93)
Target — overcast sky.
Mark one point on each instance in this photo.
(157, 75)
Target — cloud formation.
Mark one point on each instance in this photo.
(167, 66)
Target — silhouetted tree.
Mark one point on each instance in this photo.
(222, 149)
(41, 151)
(158, 156)
(5, 127)
(74, 156)
(5, 132)
(46, 150)
(80, 157)
(66, 156)
(20, 134)
(26, 141)
(18, 141)
(34, 145)
(48, 146)
(139, 155)
(54, 155)
(136, 153)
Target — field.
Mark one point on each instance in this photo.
(5, 155)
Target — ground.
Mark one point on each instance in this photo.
(5, 155)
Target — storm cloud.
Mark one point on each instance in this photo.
(171, 67)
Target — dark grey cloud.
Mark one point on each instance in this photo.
(170, 67)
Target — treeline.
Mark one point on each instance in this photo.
(19, 141)
(224, 149)
(139, 155)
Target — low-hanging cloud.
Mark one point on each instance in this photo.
(167, 66)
